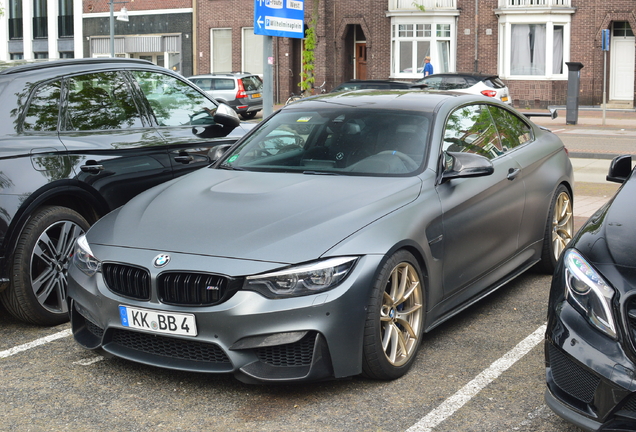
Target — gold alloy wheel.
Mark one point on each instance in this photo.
(401, 314)
(562, 223)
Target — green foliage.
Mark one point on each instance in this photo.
(419, 6)
(307, 78)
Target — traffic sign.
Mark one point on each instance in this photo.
(284, 18)
(605, 40)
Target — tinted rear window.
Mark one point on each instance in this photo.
(494, 82)
(252, 83)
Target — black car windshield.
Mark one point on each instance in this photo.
(345, 141)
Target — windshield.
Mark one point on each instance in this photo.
(336, 141)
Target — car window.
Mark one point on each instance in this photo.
(453, 83)
(223, 84)
(345, 141)
(173, 102)
(470, 129)
(252, 83)
(513, 131)
(204, 83)
(43, 110)
(99, 101)
(433, 82)
(494, 83)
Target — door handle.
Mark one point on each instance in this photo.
(513, 173)
(92, 169)
(184, 159)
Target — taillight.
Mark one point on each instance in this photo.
(489, 93)
(241, 90)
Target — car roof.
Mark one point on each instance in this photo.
(224, 74)
(465, 74)
(27, 66)
(412, 100)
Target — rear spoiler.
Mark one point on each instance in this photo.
(552, 114)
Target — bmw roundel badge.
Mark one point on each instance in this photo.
(161, 260)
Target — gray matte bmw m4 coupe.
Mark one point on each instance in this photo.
(325, 242)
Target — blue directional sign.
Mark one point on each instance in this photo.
(284, 18)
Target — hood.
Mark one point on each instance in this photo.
(276, 217)
(609, 235)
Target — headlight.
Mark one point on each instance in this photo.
(588, 292)
(83, 257)
(302, 280)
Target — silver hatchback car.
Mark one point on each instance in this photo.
(240, 90)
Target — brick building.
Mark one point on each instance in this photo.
(526, 42)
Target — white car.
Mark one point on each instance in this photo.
(487, 85)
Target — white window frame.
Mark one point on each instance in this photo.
(506, 21)
(435, 55)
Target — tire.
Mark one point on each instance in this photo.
(558, 231)
(39, 283)
(395, 319)
(249, 115)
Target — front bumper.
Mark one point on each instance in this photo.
(258, 339)
(591, 380)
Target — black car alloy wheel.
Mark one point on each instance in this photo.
(39, 280)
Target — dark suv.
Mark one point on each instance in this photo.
(79, 138)
(242, 91)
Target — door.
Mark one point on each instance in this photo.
(481, 215)
(361, 60)
(622, 54)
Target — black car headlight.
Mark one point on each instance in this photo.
(83, 257)
(303, 279)
(588, 292)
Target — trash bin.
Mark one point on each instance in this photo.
(574, 84)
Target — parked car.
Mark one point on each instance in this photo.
(78, 139)
(487, 85)
(242, 91)
(371, 84)
(590, 346)
(325, 242)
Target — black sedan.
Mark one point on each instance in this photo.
(325, 242)
(590, 344)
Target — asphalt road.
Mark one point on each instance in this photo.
(483, 370)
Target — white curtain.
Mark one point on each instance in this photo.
(538, 49)
(520, 49)
(528, 45)
(557, 63)
(252, 52)
(443, 52)
(221, 50)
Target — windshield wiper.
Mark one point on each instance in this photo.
(320, 173)
(231, 168)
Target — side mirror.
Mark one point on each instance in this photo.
(217, 152)
(226, 116)
(620, 169)
(464, 165)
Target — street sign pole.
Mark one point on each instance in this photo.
(282, 18)
(268, 76)
(605, 47)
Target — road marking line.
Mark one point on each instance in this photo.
(35, 343)
(465, 394)
(558, 130)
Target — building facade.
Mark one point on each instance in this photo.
(40, 29)
(155, 30)
(528, 43)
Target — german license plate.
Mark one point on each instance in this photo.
(504, 99)
(158, 321)
(256, 95)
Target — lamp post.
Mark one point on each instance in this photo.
(122, 17)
